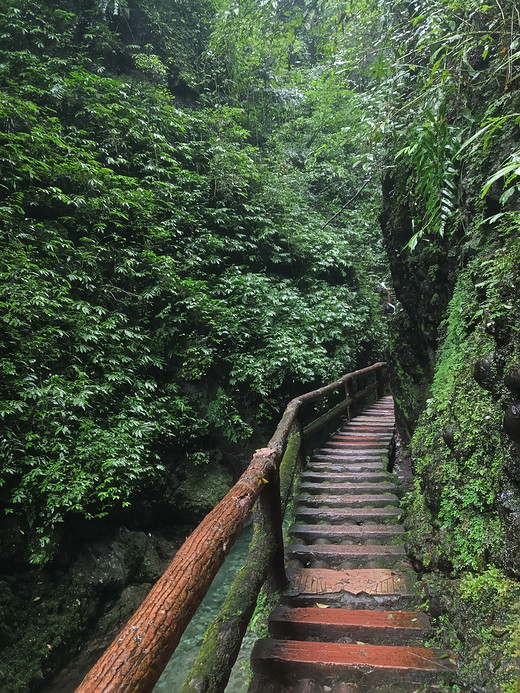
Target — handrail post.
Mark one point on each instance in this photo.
(351, 389)
(269, 505)
(380, 381)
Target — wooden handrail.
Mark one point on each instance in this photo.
(136, 658)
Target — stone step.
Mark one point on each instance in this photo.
(352, 455)
(374, 418)
(338, 554)
(363, 436)
(348, 487)
(339, 532)
(357, 588)
(358, 444)
(375, 500)
(360, 441)
(371, 664)
(377, 419)
(322, 476)
(348, 514)
(338, 466)
(329, 624)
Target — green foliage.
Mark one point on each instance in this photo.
(434, 181)
(167, 270)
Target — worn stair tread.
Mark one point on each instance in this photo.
(357, 444)
(325, 658)
(357, 501)
(381, 437)
(385, 432)
(354, 455)
(334, 515)
(358, 532)
(345, 476)
(340, 552)
(334, 623)
(335, 466)
(371, 581)
(348, 487)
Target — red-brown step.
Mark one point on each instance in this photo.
(376, 627)
(335, 554)
(372, 664)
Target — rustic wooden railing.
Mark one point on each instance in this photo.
(135, 660)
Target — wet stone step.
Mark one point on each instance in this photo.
(371, 582)
(372, 664)
(377, 435)
(349, 487)
(337, 554)
(360, 441)
(335, 466)
(376, 627)
(353, 455)
(338, 515)
(369, 499)
(339, 532)
(344, 476)
(357, 444)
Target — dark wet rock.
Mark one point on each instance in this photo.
(483, 373)
(512, 380)
(512, 422)
(450, 435)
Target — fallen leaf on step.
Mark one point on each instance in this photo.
(322, 606)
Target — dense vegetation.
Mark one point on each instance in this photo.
(170, 272)
(189, 202)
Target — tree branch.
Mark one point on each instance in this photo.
(348, 202)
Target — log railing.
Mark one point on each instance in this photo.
(135, 660)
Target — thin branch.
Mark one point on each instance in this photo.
(348, 202)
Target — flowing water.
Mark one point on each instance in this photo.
(184, 656)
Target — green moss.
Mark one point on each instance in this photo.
(203, 489)
(477, 617)
(457, 448)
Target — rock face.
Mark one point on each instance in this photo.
(455, 375)
(62, 615)
(48, 612)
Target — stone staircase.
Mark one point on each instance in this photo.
(348, 622)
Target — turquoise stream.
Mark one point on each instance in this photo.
(179, 665)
